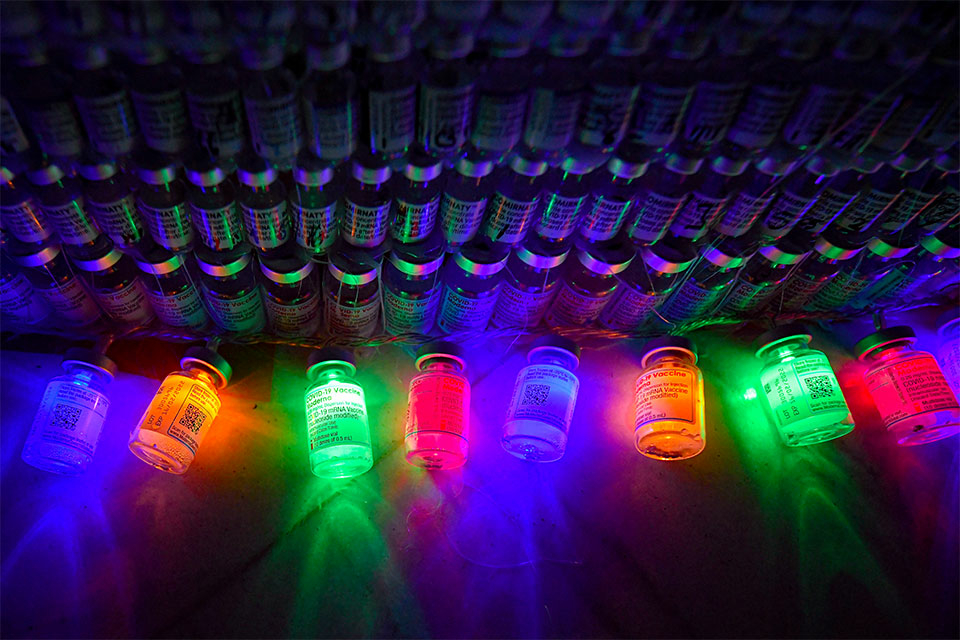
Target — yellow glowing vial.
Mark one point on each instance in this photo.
(669, 400)
(180, 414)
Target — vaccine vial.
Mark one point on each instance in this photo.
(109, 197)
(713, 188)
(262, 201)
(705, 284)
(170, 287)
(54, 279)
(338, 430)
(60, 197)
(103, 101)
(911, 394)
(156, 88)
(556, 94)
(544, 397)
(437, 429)
(182, 412)
(512, 209)
(20, 214)
(351, 293)
(663, 193)
(230, 289)
(471, 285)
(946, 205)
(502, 92)
(466, 191)
(330, 101)
(19, 301)
(446, 94)
(919, 190)
(367, 202)
(948, 350)
(66, 428)
(588, 283)
(929, 260)
(162, 201)
(272, 105)
(416, 197)
(820, 106)
(614, 192)
(830, 253)
(873, 191)
(797, 195)
(389, 93)
(530, 282)
(668, 421)
(212, 201)
(47, 96)
(291, 296)
(800, 388)
(668, 84)
(115, 284)
(213, 102)
(566, 198)
(757, 188)
(314, 203)
(760, 278)
(646, 283)
(411, 288)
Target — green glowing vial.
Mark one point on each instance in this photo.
(801, 388)
(337, 424)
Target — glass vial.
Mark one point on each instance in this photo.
(213, 102)
(291, 295)
(557, 93)
(19, 301)
(182, 411)
(156, 87)
(416, 197)
(466, 190)
(948, 351)
(162, 201)
(314, 201)
(329, 101)
(338, 430)
(103, 102)
(389, 90)
(54, 279)
(706, 283)
(171, 290)
(566, 197)
(20, 215)
(530, 282)
(367, 202)
(614, 192)
(544, 397)
(212, 200)
(411, 288)
(272, 105)
(501, 97)
(471, 285)
(262, 201)
(587, 284)
(109, 197)
(230, 290)
(911, 394)
(669, 422)
(800, 388)
(446, 94)
(664, 190)
(437, 430)
(760, 278)
(351, 293)
(60, 197)
(114, 281)
(67, 425)
(516, 202)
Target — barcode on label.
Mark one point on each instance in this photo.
(192, 418)
(65, 417)
(819, 386)
(535, 394)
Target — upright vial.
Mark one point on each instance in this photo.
(60, 197)
(231, 291)
(181, 413)
(437, 429)
(20, 214)
(388, 116)
(466, 191)
(262, 201)
(291, 295)
(911, 394)
(948, 350)
(615, 191)
(330, 101)
(66, 428)
(314, 204)
(338, 430)
(367, 202)
(412, 288)
(501, 96)
(800, 388)
(566, 198)
(54, 279)
(162, 201)
(544, 398)
(668, 422)
(214, 103)
(156, 87)
(471, 285)
(446, 94)
(530, 282)
(588, 284)
(103, 101)
(19, 301)
(663, 192)
(171, 289)
(212, 201)
(110, 198)
(115, 283)
(272, 104)
(351, 293)
(760, 278)
(705, 283)
(512, 209)
(416, 197)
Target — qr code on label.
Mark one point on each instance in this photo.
(192, 418)
(535, 394)
(65, 417)
(819, 386)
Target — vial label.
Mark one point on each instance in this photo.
(870, 116)
(71, 301)
(169, 226)
(461, 219)
(552, 119)
(293, 320)
(815, 115)
(71, 222)
(828, 205)
(365, 226)
(604, 218)
(603, 121)
(659, 111)
(409, 313)
(892, 286)
(461, 313)
(438, 402)
(785, 212)
(19, 300)
(336, 414)
(414, 222)
(392, 119)
(865, 210)
(696, 215)
(219, 229)
(560, 216)
(315, 227)
(70, 415)
(572, 308)
(25, 221)
(444, 117)
(902, 390)
(944, 128)
(765, 110)
(905, 124)
(12, 137)
(509, 219)
(184, 309)
(499, 122)
(840, 290)
(358, 321)
(276, 131)
(798, 291)
(332, 130)
(127, 305)
(57, 128)
(243, 314)
(949, 357)
(118, 219)
(546, 393)
(939, 211)
(521, 309)
(629, 308)
(665, 393)
(218, 123)
(743, 211)
(745, 296)
(689, 302)
(163, 120)
(109, 122)
(654, 214)
(182, 409)
(712, 110)
(267, 228)
(802, 388)
(910, 203)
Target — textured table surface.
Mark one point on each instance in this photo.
(855, 537)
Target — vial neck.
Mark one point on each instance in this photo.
(891, 352)
(440, 366)
(202, 375)
(330, 374)
(670, 358)
(556, 360)
(787, 350)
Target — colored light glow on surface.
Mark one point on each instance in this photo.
(750, 394)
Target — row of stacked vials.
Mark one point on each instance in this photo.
(915, 400)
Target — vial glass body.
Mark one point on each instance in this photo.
(669, 422)
(213, 210)
(338, 429)
(436, 434)
(164, 210)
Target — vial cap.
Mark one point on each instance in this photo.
(784, 252)
(155, 168)
(451, 46)
(422, 166)
(729, 164)
(312, 171)
(883, 338)
(210, 361)
(866, 163)
(390, 47)
(605, 261)
(159, 261)
(777, 161)
(286, 271)
(722, 256)
(908, 161)
(39, 258)
(564, 44)
(627, 168)
(102, 263)
(412, 267)
(669, 256)
(682, 163)
(823, 165)
(528, 166)
(327, 56)
(262, 57)
(221, 264)
(254, 171)
(790, 331)
(94, 166)
(892, 246)
(332, 355)
(475, 165)
(553, 342)
(943, 243)
(541, 260)
(353, 267)
(480, 259)
(946, 321)
(371, 170)
(668, 343)
(576, 166)
(47, 174)
(837, 246)
(90, 358)
(947, 161)
(204, 171)
(442, 348)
